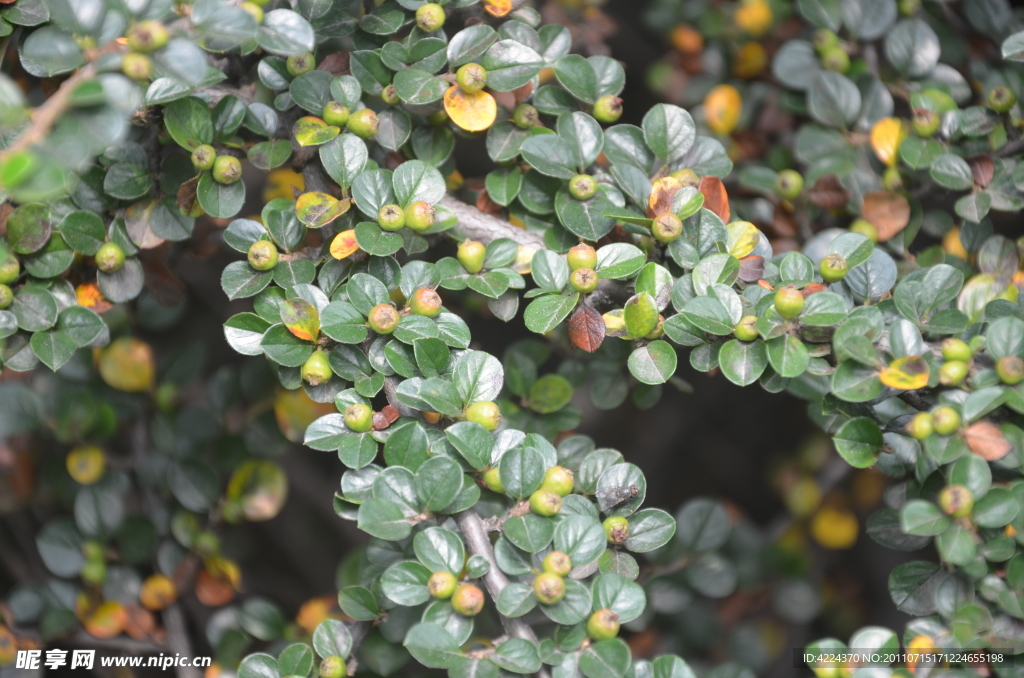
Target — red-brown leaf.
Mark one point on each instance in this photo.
(485, 204)
(751, 268)
(982, 169)
(336, 64)
(827, 192)
(987, 440)
(716, 198)
(586, 328)
(888, 212)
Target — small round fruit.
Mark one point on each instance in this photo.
(438, 118)
(263, 255)
(921, 426)
(608, 109)
(603, 625)
(317, 369)
(86, 464)
(833, 268)
(545, 503)
(391, 218)
(945, 420)
(147, 36)
(420, 215)
(525, 116)
(583, 280)
(492, 479)
(559, 480)
(206, 544)
(10, 269)
(383, 319)
(549, 588)
(789, 184)
(364, 123)
(471, 255)
(253, 10)
(956, 501)
(977, 343)
(110, 257)
(485, 413)
(581, 256)
(926, 123)
(789, 301)
(616, 529)
(203, 157)
(333, 667)
(687, 177)
(442, 585)
(666, 227)
(825, 39)
(952, 373)
(430, 17)
(358, 417)
(471, 77)
(94, 572)
(659, 329)
(582, 187)
(297, 64)
(909, 7)
(1001, 99)
(955, 349)
(1010, 369)
(892, 180)
(468, 600)
(92, 550)
(746, 328)
(227, 169)
(137, 66)
(835, 59)
(558, 563)
(865, 228)
(390, 96)
(6, 296)
(335, 113)
(425, 302)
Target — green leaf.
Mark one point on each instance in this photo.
(259, 665)
(53, 348)
(669, 131)
(654, 363)
(221, 201)
(60, 546)
(743, 362)
(332, 638)
(432, 646)
(240, 280)
(550, 155)
(510, 64)
(833, 100)
(285, 32)
(649, 529)
(923, 518)
(605, 659)
(438, 482)
(358, 603)
(296, 659)
(787, 355)
(189, 122)
(35, 308)
(418, 87)
(546, 312)
(618, 261)
(383, 519)
(440, 550)
(581, 538)
(343, 158)
(377, 242)
(521, 472)
(859, 442)
(517, 655)
(577, 75)
(515, 600)
(405, 583)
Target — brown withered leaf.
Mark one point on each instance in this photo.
(586, 328)
(982, 169)
(523, 93)
(485, 204)
(336, 64)
(663, 191)
(888, 212)
(380, 422)
(139, 623)
(812, 288)
(783, 224)
(187, 195)
(390, 413)
(751, 268)
(828, 192)
(987, 441)
(716, 198)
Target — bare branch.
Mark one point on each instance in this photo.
(177, 640)
(45, 117)
(477, 225)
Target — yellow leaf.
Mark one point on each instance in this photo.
(344, 244)
(283, 183)
(89, 296)
(301, 318)
(498, 8)
(106, 622)
(662, 192)
(722, 108)
(314, 611)
(127, 365)
(86, 463)
(295, 411)
(319, 209)
(472, 111)
(157, 592)
(310, 131)
(906, 373)
(754, 17)
(886, 137)
(751, 61)
(741, 238)
(834, 528)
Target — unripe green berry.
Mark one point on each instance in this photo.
(582, 187)
(746, 328)
(317, 369)
(581, 256)
(390, 97)
(430, 17)
(549, 588)
(608, 109)
(1010, 369)
(383, 319)
(559, 480)
(10, 268)
(789, 184)
(825, 39)
(92, 550)
(952, 373)
(94, 572)
(438, 118)
(137, 66)
(666, 227)
(925, 122)
(6, 296)
(833, 268)
(977, 343)
(525, 116)
(558, 563)
(945, 420)
(263, 255)
(956, 501)
(425, 302)
(227, 169)
(147, 36)
(471, 77)
(687, 177)
(335, 113)
(109, 257)
(835, 59)
(955, 349)
(419, 216)
(206, 544)
(891, 179)
(471, 255)
(659, 329)
(583, 280)
(1001, 99)
(253, 10)
(468, 600)
(203, 157)
(358, 417)
(391, 218)
(865, 228)
(920, 426)
(603, 625)
(492, 479)
(485, 413)
(364, 123)
(442, 585)
(333, 667)
(616, 529)
(545, 503)
(789, 301)
(909, 7)
(297, 64)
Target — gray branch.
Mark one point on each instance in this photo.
(177, 640)
(477, 225)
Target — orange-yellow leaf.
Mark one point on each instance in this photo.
(886, 137)
(662, 192)
(344, 244)
(127, 365)
(722, 108)
(310, 131)
(89, 295)
(319, 209)
(716, 198)
(498, 8)
(295, 411)
(106, 622)
(741, 238)
(283, 183)
(987, 440)
(314, 611)
(906, 373)
(888, 212)
(472, 111)
(301, 318)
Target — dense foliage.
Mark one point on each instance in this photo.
(854, 257)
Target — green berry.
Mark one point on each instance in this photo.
(383, 319)
(263, 255)
(227, 169)
(147, 36)
(206, 544)
(545, 503)
(6, 296)
(891, 179)
(825, 39)
(945, 420)
(582, 187)
(833, 268)
(603, 625)
(659, 329)
(955, 349)
(835, 59)
(335, 113)
(109, 257)
(438, 118)
(608, 109)
(925, 122)
(425, 302)
(581, 256)
(909, 7)
(93, 551)
(789, 301)
(468, 600)
(583, 280)
(549, 588)
(559, 480)
(317, 369)
(1010, 368)
(253, 10)
(364, 123)
(442, 585)
(687, 177)
(1001, 99)
(471, 255)
(789, 184)
(137, 66)
(333, 667)
(746, 328)
(956, 501)
(10, 268)
(492, 479)
(471, 77)
(666, 227)
(525, 116)
(203, 157)
(391, 218)
(390, 97)
(920, 426)
(430, 17)
(558, 563)
(616, 529)
(297, 64)
(358, 418)
(952, 373)
(977, 343)
(485, 413)
(94, 572)
(865, 228)
(419, 216)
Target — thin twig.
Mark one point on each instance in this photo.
(120, 644)
(177, 639)
(478, 225)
